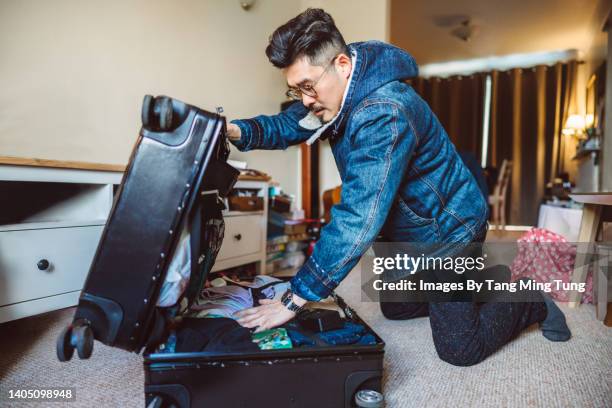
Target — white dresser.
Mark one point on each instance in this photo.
(52, 214)
(245, 232)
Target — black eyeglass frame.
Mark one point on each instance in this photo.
(295, 93)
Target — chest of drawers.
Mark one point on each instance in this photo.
(51, 218)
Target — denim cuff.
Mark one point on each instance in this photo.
(246, 134)
(310, 282)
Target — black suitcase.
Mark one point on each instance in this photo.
(180, 154)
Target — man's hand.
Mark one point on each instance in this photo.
(271, 313)
(233, 132)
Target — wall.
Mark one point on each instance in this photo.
(358, 20)
(589, 174)
(73, 73)
(606, 166)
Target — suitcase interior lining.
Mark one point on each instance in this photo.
(266, 354)
(305, 350)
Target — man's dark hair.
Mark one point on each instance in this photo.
(312, 34)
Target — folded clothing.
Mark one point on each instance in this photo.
(213, 335)
(235, 296)
(351, 333)
(179, 272)
(221, 301)
(226, 335)
(263, 286)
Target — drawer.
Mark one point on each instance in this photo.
(243, 236)
(69, 252)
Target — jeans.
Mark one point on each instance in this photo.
(465, 332)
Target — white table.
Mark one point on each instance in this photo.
(597, 208)
(560, 220)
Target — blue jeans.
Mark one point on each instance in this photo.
(465, 333)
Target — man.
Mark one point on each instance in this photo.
(401, 178)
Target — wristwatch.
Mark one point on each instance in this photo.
(287, 301)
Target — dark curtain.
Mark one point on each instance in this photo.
(458, 102)
(528, 110)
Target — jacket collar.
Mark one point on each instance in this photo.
(311, 121)
(374, 64)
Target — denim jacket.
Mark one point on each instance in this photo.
(401, 176)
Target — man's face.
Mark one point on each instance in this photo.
(329, 83)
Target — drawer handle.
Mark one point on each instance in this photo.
(238, 237)
(43, 264)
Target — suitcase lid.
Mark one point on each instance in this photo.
(181, 151)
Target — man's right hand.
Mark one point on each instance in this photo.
(233, 132)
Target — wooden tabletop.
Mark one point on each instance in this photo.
(604, 198)
(60, 164)
(63, 164)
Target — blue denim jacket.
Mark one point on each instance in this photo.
(401, 176)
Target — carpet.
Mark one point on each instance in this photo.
(528, 372)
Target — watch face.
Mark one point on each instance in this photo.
(287, 301)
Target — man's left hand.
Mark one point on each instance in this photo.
(271, 313)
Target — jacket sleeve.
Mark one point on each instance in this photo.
(273, 132)
(382, 146)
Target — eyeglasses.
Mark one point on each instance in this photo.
(296, 93)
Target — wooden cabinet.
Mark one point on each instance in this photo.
(245, 232)
(51, 218)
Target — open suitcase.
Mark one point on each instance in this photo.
(175, 176)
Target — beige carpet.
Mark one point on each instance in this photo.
(529, 372)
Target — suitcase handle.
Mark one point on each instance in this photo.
(348, 311)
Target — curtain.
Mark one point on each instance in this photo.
(528, 110)
(458, 102)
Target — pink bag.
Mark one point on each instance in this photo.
(545, 257)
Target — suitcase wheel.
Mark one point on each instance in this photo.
(369, 399)
(159, 108)
(79, 337)
(83, 340)
(158, 402)
(163, 108)
(64, 349)
(145, 114)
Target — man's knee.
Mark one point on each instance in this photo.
(403, 310)
(460, 358)
(389, 310)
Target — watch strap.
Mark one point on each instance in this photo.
(287, 301)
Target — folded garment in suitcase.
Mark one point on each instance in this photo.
(179, 272)
(156, 251)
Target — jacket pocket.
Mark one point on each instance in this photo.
(414, 217)
(405, 225)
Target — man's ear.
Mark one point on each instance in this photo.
(344, 65)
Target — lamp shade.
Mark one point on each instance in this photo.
(575, 122)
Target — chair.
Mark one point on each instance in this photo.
(330, 198)
(500, 192)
